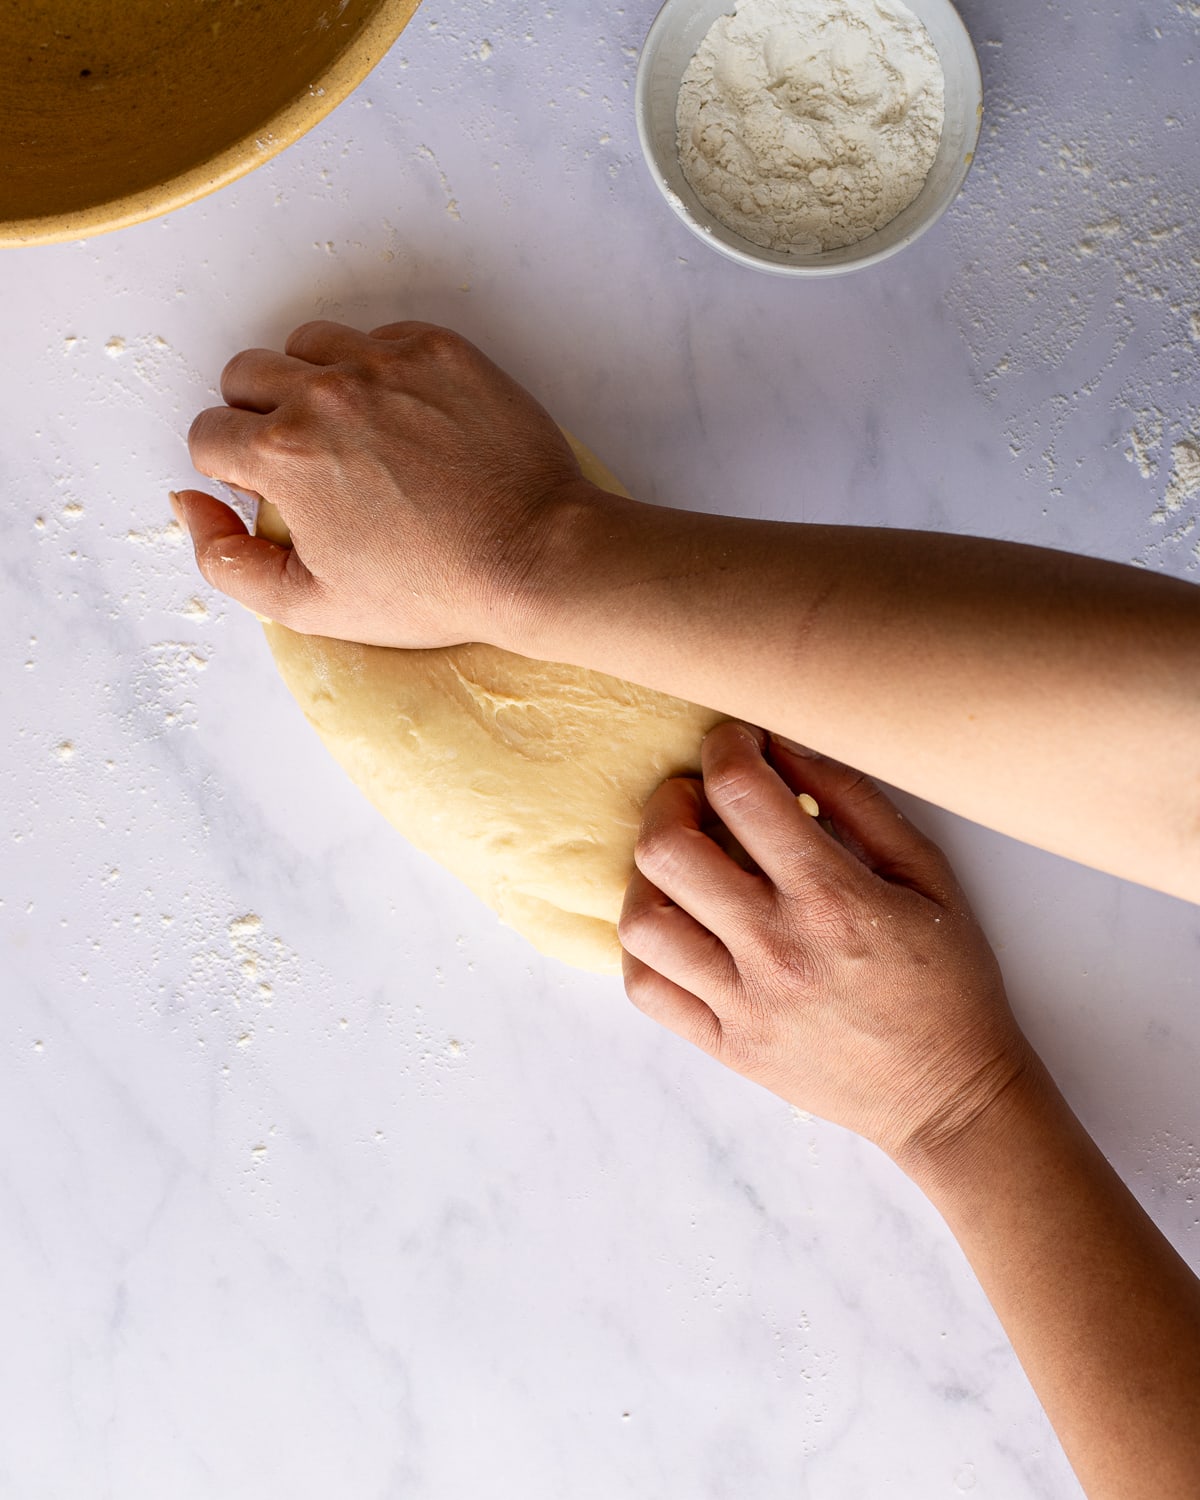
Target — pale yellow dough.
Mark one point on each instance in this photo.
(526, 779)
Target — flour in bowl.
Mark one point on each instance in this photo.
(806, 125)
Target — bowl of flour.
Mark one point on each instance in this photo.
(809, 137)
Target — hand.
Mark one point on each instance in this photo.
(845, 974)
(416, 479)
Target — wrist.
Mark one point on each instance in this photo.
(576, 539)
(951, 1148)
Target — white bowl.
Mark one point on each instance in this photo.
(678, 30)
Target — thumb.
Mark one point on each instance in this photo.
(267, 578)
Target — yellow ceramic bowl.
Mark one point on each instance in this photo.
(113, 111)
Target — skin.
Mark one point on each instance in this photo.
(431, 501)
(851, 979)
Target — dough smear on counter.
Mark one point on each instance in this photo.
(526, 779)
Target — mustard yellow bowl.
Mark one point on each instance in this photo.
(114, 111)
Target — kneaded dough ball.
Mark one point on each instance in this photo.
(526, 779)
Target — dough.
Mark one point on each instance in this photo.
(526, 779)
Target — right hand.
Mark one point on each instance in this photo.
(845, 974)
(417, 479)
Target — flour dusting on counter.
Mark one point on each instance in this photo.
(1078, 295)
(1184, 484)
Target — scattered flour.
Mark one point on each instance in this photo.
(194, 609)
(452, 209)
(246, 940)
(163, 683)
(172, 534)
(235, 973)
(1144, 438)
(1184, 484)
(806, 125)
(1077, 294)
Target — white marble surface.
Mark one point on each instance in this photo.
(313, 1181)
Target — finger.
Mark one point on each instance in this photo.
(670, 1005)
(405, 329)
(865, 818)
(762, 812)
(677, 856)
(259, 379)
(433, 346)
(268, 579)
(223, 442)
(672, 943)
(324, 343)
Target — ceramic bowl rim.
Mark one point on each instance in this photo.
(728, 242)
(346, 70)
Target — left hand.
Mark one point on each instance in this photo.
(420, 483)
(845, 974)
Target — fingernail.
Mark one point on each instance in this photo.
(177, 507)
(801, 750)
(751, 732)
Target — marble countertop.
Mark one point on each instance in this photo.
(316, 1182)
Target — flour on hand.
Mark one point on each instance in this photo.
(807, 125)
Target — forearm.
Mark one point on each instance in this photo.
(1053, 697)
(1102, 1313)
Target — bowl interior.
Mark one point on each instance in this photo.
(114, 101)
(677, 32)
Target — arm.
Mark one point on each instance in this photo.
(1103, 1314)
(1011, 684)
(431, 500)
(858, 985)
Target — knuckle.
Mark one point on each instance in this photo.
(279, 438)
(628, 925)
(300, 336)
(634, 976)
(200, 431)
(335, 389)
(234, 368)
(638, 982)
(729, 783)
(860, 786)
(441, 345)
(637, 926)
(215, 563)
(656, 850)
(864, 793)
